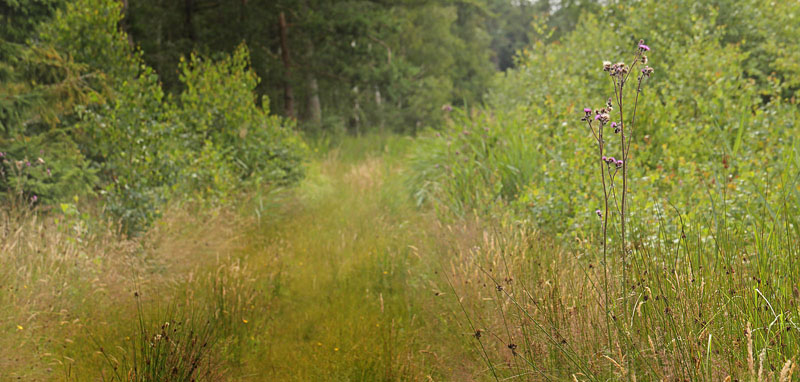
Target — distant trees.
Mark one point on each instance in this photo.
(349, 65)
(334, 65)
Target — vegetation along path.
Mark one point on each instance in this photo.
(332, 279)
(354, 296)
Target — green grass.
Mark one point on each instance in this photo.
(336, 279)
(344, 278)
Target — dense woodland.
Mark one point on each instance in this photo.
(128, 99)
(494, 190)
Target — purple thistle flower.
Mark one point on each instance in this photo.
(34, 198)
(2, 154)
(599, 213)
(619, 163)
(604, 158)
(610, 160)
(587, 110)
(28, 163)
(48, 172)
(644, 47)
(613, 124)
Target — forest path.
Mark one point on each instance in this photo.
(355, 294)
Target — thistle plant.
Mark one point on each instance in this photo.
(606, 123)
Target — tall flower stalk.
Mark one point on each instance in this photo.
(610, 167)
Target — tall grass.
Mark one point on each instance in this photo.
(699, 311)
(700, 284)
(337, 279)
(82, 303)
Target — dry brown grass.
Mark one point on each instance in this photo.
(66, 283)
(538, 309)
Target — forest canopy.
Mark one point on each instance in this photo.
(142, 101)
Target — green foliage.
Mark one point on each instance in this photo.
(88, 31)
(21, 17)
(713, 196)
(83, 100)
(203, 146)
(367, 64)
(41, 169)
(703, 128)
(218, 106)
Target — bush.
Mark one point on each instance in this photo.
(205, 145)
(219, 105)
(41, 169)
(98, 117)
(700, 275)
(708, 134)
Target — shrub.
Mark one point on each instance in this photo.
(103, 111)
(219, 105)
(701, 278)
(707, 127)
(41, 169)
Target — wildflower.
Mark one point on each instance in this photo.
(587, 114)
(599, 213)
(28, 163)
(606, 66)
(644, 48)
(619, 163)
(34, 198)
(647, 71)
(644, 59)
(2, 154)
(604, 158)
(610, 160)
(447, 108)
(603, 118)
(618, 69)
(40, 160)
(513, 348)
(48, 172)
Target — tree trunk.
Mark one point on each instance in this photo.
(288, 95)
(188, 9)
(356, 111)
(379, 106)
(314, 107)
(314, 110)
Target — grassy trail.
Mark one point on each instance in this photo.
(335, 279)
(354, 298)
